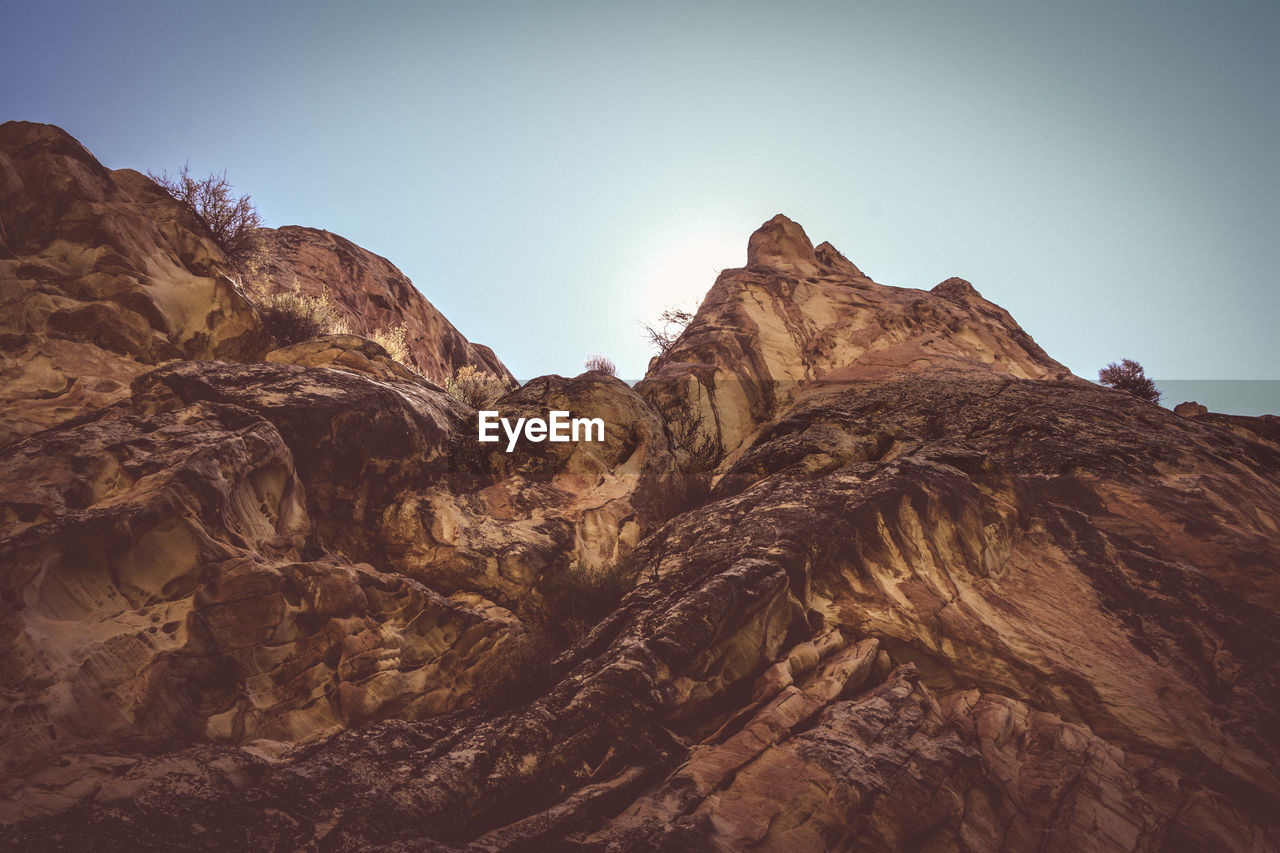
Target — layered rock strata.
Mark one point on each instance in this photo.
(931, 592)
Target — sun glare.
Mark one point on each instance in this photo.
(683, 270)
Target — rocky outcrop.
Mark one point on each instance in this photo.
(168, 581)
(795, 315)
(1053, 620)
(102, 276)
(936, 594)
(279, 551)
(370, 294)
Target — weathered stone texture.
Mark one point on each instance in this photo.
(936, 594)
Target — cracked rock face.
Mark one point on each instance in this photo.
(935, 594)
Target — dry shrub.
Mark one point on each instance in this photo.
(601, 364)
(673, 322)
(578, 597)
(394, 340)
(475, 387)
(687, 431)
(292, 317)
(231, 219)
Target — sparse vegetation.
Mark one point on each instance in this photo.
(672, 323)
(1129, 376)
(697, 454)
(475, 387)
(686, 430)
(292, 317)
(393, 339)
(231, 219)
(578, 597)
(602, 364)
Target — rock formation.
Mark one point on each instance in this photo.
(926, 590)
(104, 276)
(795, 314)
(370, 294)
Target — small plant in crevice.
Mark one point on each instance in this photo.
(577, 597)
(686, 430)
(697, 452)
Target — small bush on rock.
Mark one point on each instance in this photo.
(475, 387)
(394, 340)
(1129, 376)
(292, 317)
(578, 597)
(602, 364)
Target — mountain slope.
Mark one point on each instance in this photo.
(937, 594)
(103, 276)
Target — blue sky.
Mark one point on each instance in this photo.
(552, 174)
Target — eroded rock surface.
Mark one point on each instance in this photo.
(935, 594)
(102, 275)
(795, 315)
(370, 294)
(166, 580)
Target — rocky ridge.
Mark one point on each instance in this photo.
(936, 593)
(105, 276)
(370, 294)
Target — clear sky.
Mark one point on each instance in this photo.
(551, 174)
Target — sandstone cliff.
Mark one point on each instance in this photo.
(936, 594)
(103, 276)
(796, 314)
(370, 294)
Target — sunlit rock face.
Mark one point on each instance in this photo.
(795, 315)
(370, 294)
(102, 275)
(930, 592)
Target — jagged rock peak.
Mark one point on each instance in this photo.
(781, 244)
